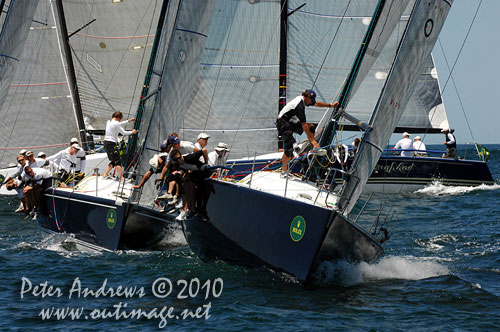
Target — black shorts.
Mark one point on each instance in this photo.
(113, 152)
(285, 130)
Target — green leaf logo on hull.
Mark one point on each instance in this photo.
(111, 219)
(297, 228)
(2, 178)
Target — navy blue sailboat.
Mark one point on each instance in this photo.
(291, 225)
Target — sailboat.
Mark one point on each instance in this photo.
(285, 224)
(107, 214)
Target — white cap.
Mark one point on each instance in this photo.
(74, 140)
(29, 153)
(417, 137)
(203, 136)
(41, 153)
(76, 146)
(222, 147)
(23, 151)
(406, 134)
(154, 161)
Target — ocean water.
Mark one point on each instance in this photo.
(441, 272)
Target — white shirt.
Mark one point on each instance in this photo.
(39, 162)
(404, 144)
(451, 138)
(63, 160)
(419, 145)
(215, 160)
(80, 161)
(38, 175)
(337, 153)
(187, 147)
(113, 128)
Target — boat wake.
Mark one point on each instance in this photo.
(393, 267)
(59, 244)
(438, 189)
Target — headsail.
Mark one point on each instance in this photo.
(14, 32)
(38, 110)
(423, 28)
(175, 71)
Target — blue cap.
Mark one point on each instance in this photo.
(312, 93)
(163, 145)
(173, 140)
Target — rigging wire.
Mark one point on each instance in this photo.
(331, 43)
(456, 91)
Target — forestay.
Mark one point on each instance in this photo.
(420, 36)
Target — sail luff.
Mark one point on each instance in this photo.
(418, 40)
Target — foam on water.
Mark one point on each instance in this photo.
(392, 267)
(173, 239)
(438, 189)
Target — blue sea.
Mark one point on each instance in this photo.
(441, 272)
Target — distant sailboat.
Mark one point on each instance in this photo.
(286, 224)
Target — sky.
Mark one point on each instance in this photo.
(476, 73)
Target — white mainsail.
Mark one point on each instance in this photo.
(13, 35)
(110, 54)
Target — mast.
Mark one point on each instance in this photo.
(283, 58)
(133, 140)
(71, 74)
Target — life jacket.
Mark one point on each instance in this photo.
(453, 145)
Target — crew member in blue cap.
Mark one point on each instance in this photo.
(292, 119)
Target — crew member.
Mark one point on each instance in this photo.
(419, 146)
(451, 143)
(113, 128)
(292, 119)
(404, 144)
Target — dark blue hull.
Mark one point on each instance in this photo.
(103, 223)
(252, 228)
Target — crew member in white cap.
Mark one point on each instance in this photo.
(451, 143)
(218, 157)
(405, 144)
(201, 144)
(419, 146)
(80, 163)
